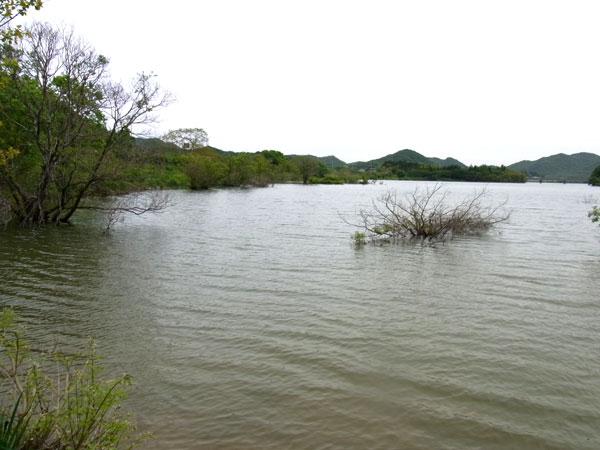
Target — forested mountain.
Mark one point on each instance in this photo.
(447, 162)
(406, 155)
(560, 167)
(154, 144)
(330, 161)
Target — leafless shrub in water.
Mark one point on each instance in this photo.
(427, 215)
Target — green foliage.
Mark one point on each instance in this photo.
(6, 156)
(261, 171)
(276, 158)
(56, 401)
(594, 179)
(594, 214)
(237, 170)
(205, 167)
(307, 166)
(203, 171)
(327, 179)
(13, 428)
(151, 175)
(10, 10)
(359, 238)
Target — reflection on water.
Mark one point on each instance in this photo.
(250, 321)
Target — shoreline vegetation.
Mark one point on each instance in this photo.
(154, 163)
(54, 400)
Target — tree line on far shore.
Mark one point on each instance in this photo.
(183, 160)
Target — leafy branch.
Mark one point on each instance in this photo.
(54, 401)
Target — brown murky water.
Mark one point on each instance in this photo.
(251, 322)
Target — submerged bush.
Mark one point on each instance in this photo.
(54, 401)
(594, 214)
(426, 215)
(327, 179)
(359, 238)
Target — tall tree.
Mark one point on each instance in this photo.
(187, 138)
(66, 116)
(307, 165)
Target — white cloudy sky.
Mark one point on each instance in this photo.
(483, 81)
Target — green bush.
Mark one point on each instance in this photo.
(359, 238)
(204, 171)
(327, 179)
(594, 214)
(54, 401)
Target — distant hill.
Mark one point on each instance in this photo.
(406, 155)
(155, 144)
(560, 167)
(221, 152)
(331, 161)
(447, 162)
(158, 145)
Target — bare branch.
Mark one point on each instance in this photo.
(425, 215)
(137, 203)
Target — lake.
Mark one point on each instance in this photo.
(250, 320)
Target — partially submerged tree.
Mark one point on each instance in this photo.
(67, 119)
(426, 215)
(594, 214)
(307, 166)
(204, 171)
(209, 169)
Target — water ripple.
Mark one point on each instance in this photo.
(251, 322)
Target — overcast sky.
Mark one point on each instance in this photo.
(491, 82)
